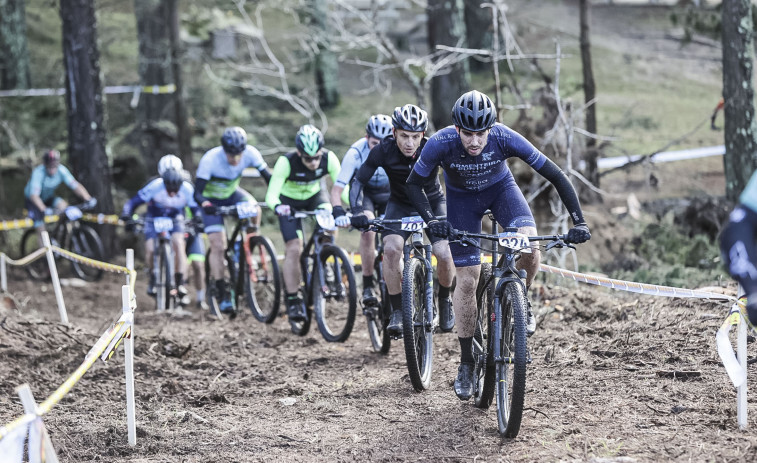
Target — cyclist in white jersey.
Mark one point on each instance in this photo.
(376, 194)
(217, 184)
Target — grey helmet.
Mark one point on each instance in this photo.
(474, 111)
(410, 118)
(169, 161)
(234, 140)
(379, 126)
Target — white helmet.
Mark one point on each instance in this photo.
(169, 161)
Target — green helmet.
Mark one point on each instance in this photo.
(309, 140)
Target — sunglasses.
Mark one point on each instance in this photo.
(311, 159)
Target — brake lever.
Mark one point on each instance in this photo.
(558, 244)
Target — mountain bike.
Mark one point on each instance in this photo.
(251, 263)
(377, 315)
(163, 271)
(71, 234)
(329, 288)
(500, 347)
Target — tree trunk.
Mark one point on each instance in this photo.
(155, 116)
(592, 172)
(326, 64)
(183, 131)
(446, 27)
(478, 31)
(740, 157)
(84, 104)
(14, 54)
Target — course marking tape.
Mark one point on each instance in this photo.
(156, 89)
(25, 260)
(642, 288)
(20, 224)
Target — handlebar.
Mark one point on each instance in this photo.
(465, 239)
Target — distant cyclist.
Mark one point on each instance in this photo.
(296, 185)
(166, 196)
(375, 194)
(217, 184)
(472, 154)
(196, 251)
(39, 192)
(397, 155)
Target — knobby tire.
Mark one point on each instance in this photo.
(511, 377)
(417, 339)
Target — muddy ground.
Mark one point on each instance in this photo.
(601, 386)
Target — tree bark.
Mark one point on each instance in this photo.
(14, 53)
(478, 31)
(155, 115)
(591, 155)
(446, 27)
(326, 64)
(740, 157)
(84, 104)
(183, 131)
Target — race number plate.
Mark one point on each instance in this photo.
(247, 209)
(162, 224)
(516, 241)
(412, 224)
(325, 219)
(73, 213)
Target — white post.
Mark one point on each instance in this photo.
(129, 366)
(30, 407)
(3, 276)
(741, 404)
(54, 276)
(129, 264)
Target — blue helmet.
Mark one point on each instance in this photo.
(474, 111)
(234, 140)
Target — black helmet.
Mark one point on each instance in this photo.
(379, 126)
(172, 180)
(410, 118)
(50, 157)
(474, 111)
(309, 140)
(234, 140)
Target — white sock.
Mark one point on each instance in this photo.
(200, 294)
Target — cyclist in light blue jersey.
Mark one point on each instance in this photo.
(217, 184)
(165, 196)
(39, 192)
(375, 191)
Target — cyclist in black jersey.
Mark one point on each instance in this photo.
(397, 155)
(296, 184)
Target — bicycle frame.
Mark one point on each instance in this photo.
(319, 238)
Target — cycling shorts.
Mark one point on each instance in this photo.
(375, 200)
(738, 250)
(214, 223)
(396, 211)
(39, 216)
(291, 228)
(178, 226)
(467, 208)
(195, 247)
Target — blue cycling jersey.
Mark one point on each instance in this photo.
(44, 185)
(159, 203)
(475, 173)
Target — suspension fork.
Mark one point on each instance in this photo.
(429, 287)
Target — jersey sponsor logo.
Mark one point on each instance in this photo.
(487, 156)
(318, 172)
(299, 174)
(473, 167)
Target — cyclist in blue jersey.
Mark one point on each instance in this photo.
(217, 184)
(376, 194)
(39, 192)
(165, 196)
(472, 154)
(738, 249)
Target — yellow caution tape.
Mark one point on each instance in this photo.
(110, 219)
(20, 224)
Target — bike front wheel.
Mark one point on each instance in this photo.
(163, 299)
(263, 280)
(377, 317)
(38, 269)
(512, 361)
(484, 370)
(335, 302)
(87, 243)
(417, 331)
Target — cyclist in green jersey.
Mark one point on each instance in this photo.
(296, 185)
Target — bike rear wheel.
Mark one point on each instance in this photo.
(511, 366)
(263, 282)
(484, 370)
(377, 318)
(87, 243)
(416, 327)
(336, 302)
